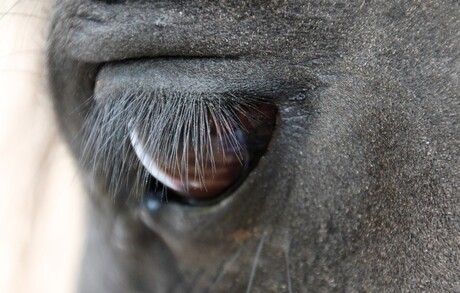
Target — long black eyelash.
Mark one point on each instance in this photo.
(171, 122)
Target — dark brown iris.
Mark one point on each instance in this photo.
(226, 152)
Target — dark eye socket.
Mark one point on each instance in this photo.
(210, 155)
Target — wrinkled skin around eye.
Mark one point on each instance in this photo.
(358, 189)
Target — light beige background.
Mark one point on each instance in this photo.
(41, 220)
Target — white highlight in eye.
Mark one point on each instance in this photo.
(149, 163)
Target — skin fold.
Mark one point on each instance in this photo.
(358, 189)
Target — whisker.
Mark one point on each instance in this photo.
(22, 53)
(9, 10)
(288, 270)
(255, 263)
(28, 15)
(225, 267)
(21, 71)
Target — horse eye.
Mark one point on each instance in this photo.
(209, 159)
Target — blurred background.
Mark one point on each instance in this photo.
(41, 202)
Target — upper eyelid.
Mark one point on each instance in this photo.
(217, 76)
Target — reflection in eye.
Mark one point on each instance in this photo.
(186, 146)
(207, 167)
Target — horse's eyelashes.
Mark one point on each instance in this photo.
(195, 147)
